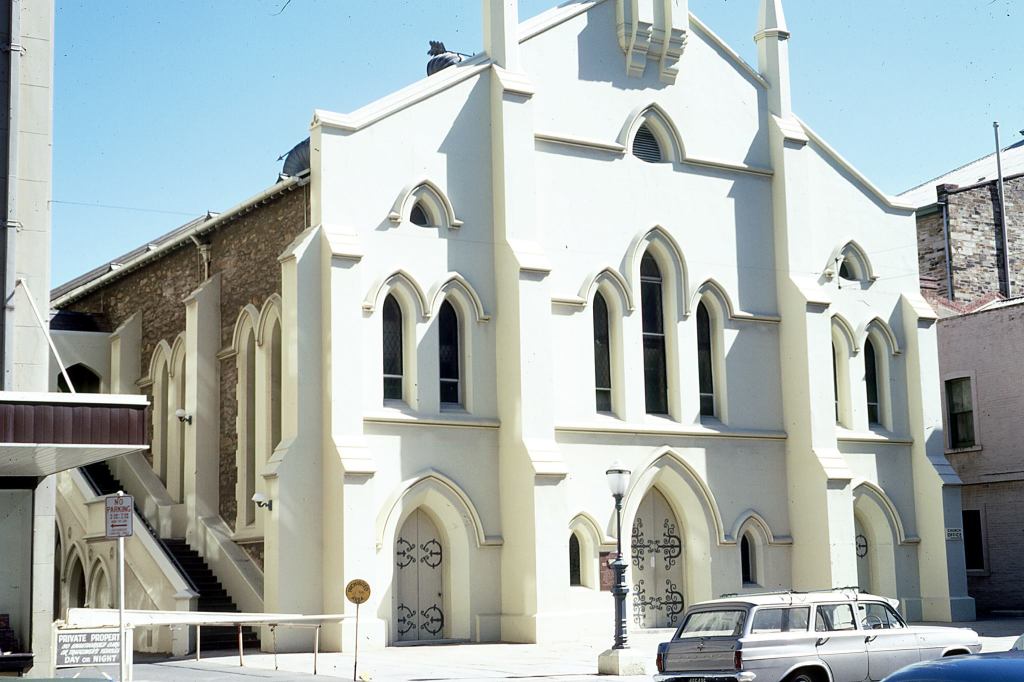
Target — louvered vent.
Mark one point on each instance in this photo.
(418, 216)
(645, 145)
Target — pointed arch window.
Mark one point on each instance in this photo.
(419, 215)
(705, 362)
(871, 381)
(602, 355)
(393, 349)
(448, 333)
(276, 403)
(247, 425)
(646, 146)
(835, 379)
(748, 560)
(575, 565)
(653, 312)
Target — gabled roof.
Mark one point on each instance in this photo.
(979, 170)
(181, 236)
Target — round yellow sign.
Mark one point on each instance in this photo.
(357, 591)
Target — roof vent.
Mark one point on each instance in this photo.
(441, 58)
(296, 161)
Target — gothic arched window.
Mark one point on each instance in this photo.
(646, 146)
(575, 572)
(705, 362)
(448, 345)
(748, 560)
(655, 368)
(602, 355)
(392, 349)
(871, 380)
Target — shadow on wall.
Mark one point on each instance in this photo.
(599, 54)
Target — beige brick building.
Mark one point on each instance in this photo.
(981, 339)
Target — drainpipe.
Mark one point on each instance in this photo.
(204, 255)
(7, 260)
(950, 294)
(1002, 210)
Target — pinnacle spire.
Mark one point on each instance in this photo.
(773, 56)
(772, 19)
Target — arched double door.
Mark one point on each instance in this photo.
(420, 558)
(656, 564)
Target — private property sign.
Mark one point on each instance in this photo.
(76, 648)
(119, 516)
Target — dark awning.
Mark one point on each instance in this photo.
(44, 433)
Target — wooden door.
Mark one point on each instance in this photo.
(656, 564)
(863, 547)
(419, 578)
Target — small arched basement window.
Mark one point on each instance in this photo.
(419, 215)
(575, 565)
(748, 560)
(83, 379)
(705, 362)
(653, 313)
(646, 146)
(871, 381)
(448, 332)
(602, 355)
(392, 349)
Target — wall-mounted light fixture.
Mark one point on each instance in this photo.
(183, 417)
(262, 501)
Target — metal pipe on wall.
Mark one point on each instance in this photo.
(950, 294)
(1002, 211)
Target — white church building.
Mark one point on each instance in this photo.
(604, 238)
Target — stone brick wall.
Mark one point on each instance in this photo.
(244, 251)
(975, 239)
(931, 251)
(155, 291)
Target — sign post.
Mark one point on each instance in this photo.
(357, 591)
(120, 515)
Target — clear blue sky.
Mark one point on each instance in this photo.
(180, 107)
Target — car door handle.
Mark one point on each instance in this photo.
(821, 640)
(870, 638)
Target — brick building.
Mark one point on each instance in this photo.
(981, 342)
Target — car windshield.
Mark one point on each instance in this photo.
(726, 623)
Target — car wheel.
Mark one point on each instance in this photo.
(802, 676)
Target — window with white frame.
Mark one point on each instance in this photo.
(575, 560)
(646, 146)
(872, 383)
(420, 215)
(748, 560)
(602, 355)
(653, 314)
(392, 348)
(448, 355)
(705, 362)
(835, 379)
(960, 413)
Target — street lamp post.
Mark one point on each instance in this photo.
(618, 479)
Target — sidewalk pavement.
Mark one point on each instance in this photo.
(565, 662)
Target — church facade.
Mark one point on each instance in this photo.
(606, 238)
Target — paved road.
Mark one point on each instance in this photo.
(569, 662)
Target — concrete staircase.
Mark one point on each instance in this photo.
(212, 595)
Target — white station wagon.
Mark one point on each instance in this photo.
(835, 636)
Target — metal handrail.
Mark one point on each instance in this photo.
(145, 522)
